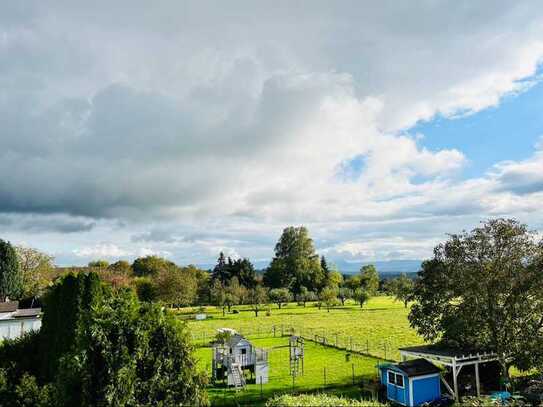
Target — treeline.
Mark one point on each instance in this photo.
(296, 273)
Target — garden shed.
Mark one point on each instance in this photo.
(411, 383)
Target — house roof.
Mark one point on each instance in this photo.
(235, 339)
(10, 306)
(417, 367)
(27, 312)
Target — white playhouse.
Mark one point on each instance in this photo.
(233, 355)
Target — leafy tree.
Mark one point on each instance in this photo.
(279, 296)
(129, 354)
(37, 270)
(295, 263)
(257, 298)
(304, 296)
(335, 279)
(234, 293)
(221, 271)
(402, 288)
(65, 305)
(244, 271)
(146, 289)
(353, 282)
(203, 281)
(328, 296)
(218, 295)
(177, 286)
(99, 264)
(484, 290)
(344, 294)
(11, 277)
(150, 266)
(369, 279)
(361, 296)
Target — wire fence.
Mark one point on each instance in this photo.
(382, 349)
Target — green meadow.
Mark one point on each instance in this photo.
(381, 323)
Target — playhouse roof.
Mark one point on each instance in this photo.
(417, 367)
(236, 339)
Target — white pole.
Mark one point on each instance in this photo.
(455, 381)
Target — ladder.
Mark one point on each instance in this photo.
(237, 376)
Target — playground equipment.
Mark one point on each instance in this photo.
(296, 352)
(233, 354)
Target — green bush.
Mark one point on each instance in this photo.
(320, 400)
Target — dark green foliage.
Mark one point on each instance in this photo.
(244, 271)
(221, 271)
(369, 279)
(484, 290)
(101, 264)
(99, 348)
(146, 289)
(131, 355)
(65, 305)
(11, 277)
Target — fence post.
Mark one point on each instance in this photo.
(351, 343)
(282, 330)
(274, 331)
(325, 377)
(367, 346)
(385, 346)
(336, 340)
(261, 393)
(352, 369)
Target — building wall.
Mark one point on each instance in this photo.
(13, 328)
(396, 393)
(425, 389)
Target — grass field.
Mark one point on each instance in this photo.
(380, 323)
(325, 369)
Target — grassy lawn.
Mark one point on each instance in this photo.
(381, 321)
(339, 373)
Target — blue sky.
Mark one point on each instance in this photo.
(508, 131)
(194, 127)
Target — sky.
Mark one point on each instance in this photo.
(183, 129)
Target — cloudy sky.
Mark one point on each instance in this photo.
(186, 128)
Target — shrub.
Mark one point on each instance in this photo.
(320, 400)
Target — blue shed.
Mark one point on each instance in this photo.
(412, 382)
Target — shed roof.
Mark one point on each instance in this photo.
(236, 339)
(417, 367)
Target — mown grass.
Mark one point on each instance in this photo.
(381, 326)
(325, 370)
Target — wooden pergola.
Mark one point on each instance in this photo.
(448, 357)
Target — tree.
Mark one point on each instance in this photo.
(329, 297)
(218, 295)
(325, 271)
(295, 263)
(99, 264)
(344, 294)
(11, 277)
(177, 286)
(402, 288)
(244, 271)
(279, 296)
(335, 279)
(150, 266)
(37, 270)
(361, 296)
(221, 271)
(303, 296)
(111, 351)
(483, 290)
(369, 279)
(257, 298)
(234, 293)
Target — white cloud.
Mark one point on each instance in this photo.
(188, 120)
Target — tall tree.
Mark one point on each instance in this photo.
(221, 270)
(325, 271)
(484, 290)
(328, 296)
(11, 277)
(296, 263)
(177, 286)
(99, 264)
(244, 271)
(361, 296)
(369, 279)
